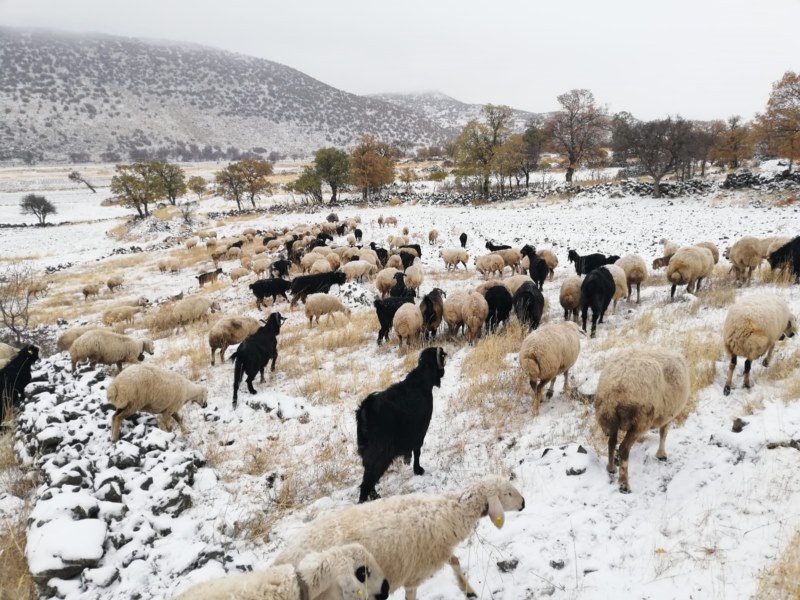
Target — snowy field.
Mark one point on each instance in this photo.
(704, 524)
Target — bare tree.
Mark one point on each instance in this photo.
(188, 210)
(78, 178)
(578, 129)
(14, 298)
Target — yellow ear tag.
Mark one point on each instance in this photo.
(498, 522)
(360, 592)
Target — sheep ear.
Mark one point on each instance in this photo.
(496, 513)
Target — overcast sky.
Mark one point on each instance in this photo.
(701, 59)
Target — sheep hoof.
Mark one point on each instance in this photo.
(419, 471)
(373, 495)
(472, 595)
(624, 489)
(549, 394)
(726, 390)
(747, 386)
(662, 458)
(765, 363)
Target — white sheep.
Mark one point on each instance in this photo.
(91, 289)
(745, 256)
(711, 247)
(474, 311)
(620, 282)
(407, 323)
(550, 258)
(514, 282)
(145, 388)
(511, 258)
(640, 388)
(120, 314)
(38, 287)
(347, 572)
(140, 301)
(233, 253)
(193, 309)
(369, 255)
(308, 260)
(191, 243)
(415, 275)
(489, 264)
(351, 240)
(261, 266)
(238, 273)
(249, 231)
(66, 339)
(433, 235)
(390, 220)
(358, 269)
(323, 304)
(570, 297)
(425, 530)
(482, 288)
(229, 331)
(635, 272)
(453, 256)
(320, 266)
(548, 352)
(114, 282)
(670, 248)
(394, 262)
(108, 348)
(753, 325)
(169, 264)
(334, 261)
(451, 313)
(384, 280)
(689, 265)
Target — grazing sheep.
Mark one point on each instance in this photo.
(514, 282)
(320, 266)
(92, 289)
(425, 530)
(233, 253)
(386, 309)
(114, 282)
(270, 287)
(395, 262)
(451, 311)
(463, 239)
(238, 273)
(590, 262)
(474, 313)
(145, 388)
(713, 249)
(370, 256)
(641, 388)
(208, 277)
(689, 265)
(381, 221)
(771, 244)
(528, 305)
(140, 301)
(108, 348)
(415, 275)
(787, 257)
(669, 248)
(358, 269)
(319, 283)
(620, 282)
(393, 422)
(407, 323)
(66, 339)
(280, 268)
(511, 258)
(193, 309)
(260, 267)
(191, 243)
(489, 264)
(120, 314)
(433, 235)
(537, 267)
(660, 262)
(333, 260)
(382, 253)
(432, 307)
(346, 572)
(597, 290)
(546, 353)
(399, 290)
(496, 247)
(308, 260)
(550, 258)
(391, 221)
(635, 272)
(500, 304)
(745, 257)
(385, 280)
(323, 304)
(15, 375)
(752, 326)
(359, 235)
(570, 297)
(229, 331)
(453, 256)
(253, 354)
(351, 240)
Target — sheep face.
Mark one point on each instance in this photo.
(789, 331)
(147, 346)
(201, 399)
(500, 496)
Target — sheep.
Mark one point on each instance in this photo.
(255, 352)
(787, 257)
(474, 312)
(15, 375)
(38, 287)
(570, 297)
(451, 311)
(384, 280)
(314, 284)
(238, 273)
(393, 422)
(229, 331)
(323, 304)
(775, 243)
(359, 235)
(713, 249)
(91, 289)
(280, 268)
(358, 269)
(346, 572)
(308, 260)
(514, 282)
(320, 266)
(400, 288)
(433, 235)
(641, 388)
(351, 240)
(171, 265)
(145, 388)
(382, 253)
(511, 258)
(453, 256)
(752, 326)
(259, 267)
(689, 265)
(208, 277)
(463, 239)
(500, 304)
(114, 282)
(528, 304)
(370, 256)
(233, 253)
(407, 323)
(68, 337)
(191, 243)
(415, 275)
(391, 221)
(395, 262)
(745, 256)
(660, 262)
(550, 258)
(537, 267)
(635, 272)
(140, 301)
(193, 309)
(270, 287)
(488, 264)
(7, 351)
(386, 309)
(425, 530)
(108, 348)
(407, 259)
(496, 247)
(597, 290)
(120, 314)
(333, 260)
(669, 248)
(620, 282)
(381, 221)
(588, 263)
(546, 353)
(432, 307)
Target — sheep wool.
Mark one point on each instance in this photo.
(7, 351)
(689, 265)
(550, 258)
(474, 312)
(193, 309)
(452, 311)
(320, 266)
(641, 388)
(514, 282)
(384, 280)
(92, 289)
(145, 388)
(489, 264)
(108, 348)
(635, 272)
(66, 339)
(620, 282)
(415, 275)
(229, 331)
(120, 314)
(238, 273)
(407, 323)
(358, 269)
(711, 248)
(548, 352)
(323, 304)
(452, 257)
(745, 256)
(570, 297)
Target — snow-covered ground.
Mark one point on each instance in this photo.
(704, 524)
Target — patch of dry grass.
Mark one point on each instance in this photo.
(782, 580)
(701, 349)
(720, 296)
(193, 354)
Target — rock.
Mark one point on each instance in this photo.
(175, 504)
(125, 456)
(102, 577)
(738, 425)
(506, 566)
(557, 564)
(64, 548)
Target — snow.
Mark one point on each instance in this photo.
(62, 542)
(71, 205)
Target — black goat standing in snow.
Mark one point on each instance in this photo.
(253, 354)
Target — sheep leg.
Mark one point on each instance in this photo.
(374, 468)
(629, 293)
(463, 584)
(119, 415)
(727, 389)
(179, 421)
(537, 395)
(747, 365)
(662, 438)
(550, 389)
(638, 286)
(612, 449)
(672, 291)
(262, 375)
(624, 451)
(768, 357)
(566, 381)
(274, 358)
(411, 593)
(249, 382)
(418, 470)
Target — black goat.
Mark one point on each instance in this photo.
(787, 257)
(537, 267)
(383, 253)
(341, 229)
(500, 303)
(290, 243)
(280, 268)
(358, 234)
(399, 290)
(588, 263)
(270, 287)
(14, 377)
(324, 236)
(407, 259)
(529, 305)
(597, 290)
(238, 244)
(432, 309)
(495, 247)
(253, 354)
(318, 283)
(386, 310)
(463, 239)
(393, 422)
(415, 247)
(268, 238)
(315, 244)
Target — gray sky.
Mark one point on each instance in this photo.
(698, 58)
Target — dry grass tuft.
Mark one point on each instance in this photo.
(719, 296)
(782, 581)
(13, 479)
(701, 348)
(193, 355)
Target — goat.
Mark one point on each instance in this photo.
(14, 377)
(432, 307)
(318, 283)
(255, 352)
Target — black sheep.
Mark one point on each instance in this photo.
(588, 263)
(358, 234)
(399, 290)
(407, 259)
(495, 247)
(318, 283)
(280, 268)
(238, 244)
(14, 377)
(315, 244)
(324, 236)
(463, 239)
(267, 239)
(415, 247)
(529, 305)
(500, 303)
(383, 253)
(597, 291)
(537, 266)
(787, 257)
(341, 229)
(270, 287)
(393, 422)
(386, 310)
(432, 309)
(253, 354)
